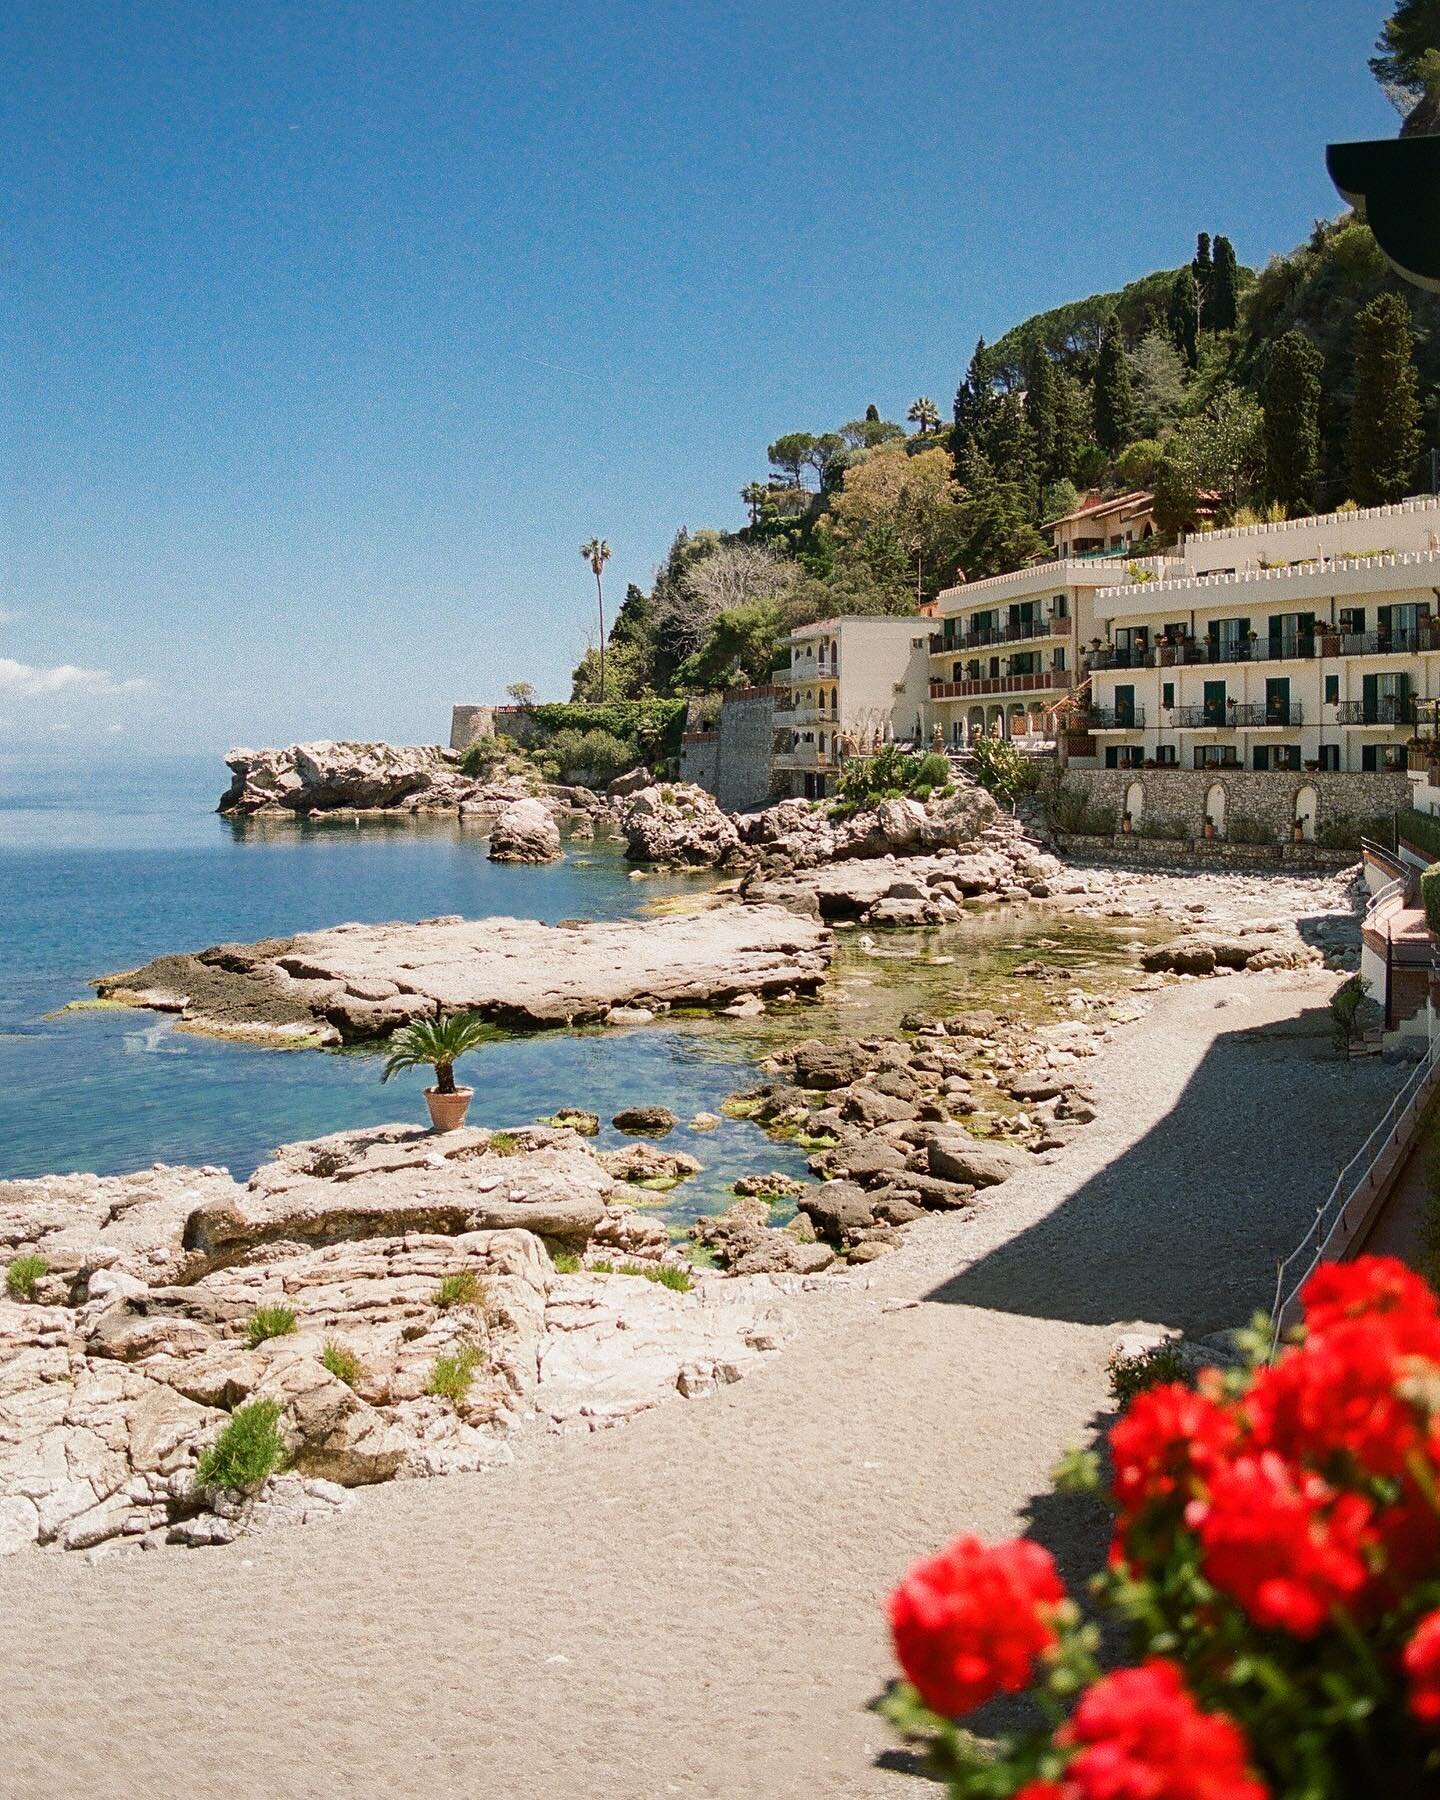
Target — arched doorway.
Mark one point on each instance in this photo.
(1307, 811)
(1215, 808)
(1135, 803)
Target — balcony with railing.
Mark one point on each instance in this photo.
(1191, 653)
(978, 687)
(1385, 711)
(987, 637)
(1260, 715)
(1115, 718)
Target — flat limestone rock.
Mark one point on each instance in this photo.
(354, 982)
(137, 1342)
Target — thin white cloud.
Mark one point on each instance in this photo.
(23, 681)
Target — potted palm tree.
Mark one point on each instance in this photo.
(438, 1044)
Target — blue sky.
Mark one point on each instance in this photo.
(334, 328)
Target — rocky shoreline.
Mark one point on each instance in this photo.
(525, 1258)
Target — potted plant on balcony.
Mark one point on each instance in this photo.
(438, 1044)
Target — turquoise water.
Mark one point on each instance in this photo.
(102, 869)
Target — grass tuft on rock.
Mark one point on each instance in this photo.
(463, 1288)
(24, 1275)
(566, 1262)
(503, 1143)
(342, 1363)
(248, 1450)
(268, 1322)
(453, 1374)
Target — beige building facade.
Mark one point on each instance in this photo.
(1008, 651)
(852, 684)
(1308, 645)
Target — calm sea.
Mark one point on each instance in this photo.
(102, 868)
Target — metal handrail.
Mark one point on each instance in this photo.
(1330, 1216)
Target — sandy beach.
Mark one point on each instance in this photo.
(691, 1605)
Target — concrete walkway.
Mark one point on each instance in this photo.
(692, 1605)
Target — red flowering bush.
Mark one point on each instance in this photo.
(1276, 1555)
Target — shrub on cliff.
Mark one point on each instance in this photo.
(1276, 1557)
(597, 755)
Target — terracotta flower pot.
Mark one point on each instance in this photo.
(447, 1111)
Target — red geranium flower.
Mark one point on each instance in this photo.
(1368, 1286)
(1140, 1736)
(1168, 1441)
(1041, 1790)
(1338, 1396)
(969, 1623)
(1422, 1667)
(1283, 1542)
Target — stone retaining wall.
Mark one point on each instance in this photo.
(1187, 854)
(1272, 798)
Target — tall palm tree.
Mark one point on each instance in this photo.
(924, 413)
(597, 554)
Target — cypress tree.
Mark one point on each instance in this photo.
(1009, 449)
(1042, 406)
(1183, 317)
(975, 406)
(1385, 413)
(1114, 397)
(1293, 388)
(1202, 268)
(1224, 310)
(994, 519)
(872, 414)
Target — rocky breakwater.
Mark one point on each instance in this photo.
(903, 861)
(356, 982)
(899, 1127)
(678, 825)
(396, 1298)
(312, 780)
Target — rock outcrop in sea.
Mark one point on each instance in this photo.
(525, 832)
(354, 982)
(309, 780)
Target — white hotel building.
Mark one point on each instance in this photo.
(1303, 645)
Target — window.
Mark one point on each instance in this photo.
(1060, 607)
(1167, 693)
(1329, 756)
(1057, 661)
(1166, 756)
(1332, 690)
(1216, 756)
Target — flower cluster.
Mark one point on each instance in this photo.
(1276, 1550)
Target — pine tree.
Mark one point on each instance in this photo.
(1224, 310)
(1184, 317)
(1385, 413)
(872, 414)
(1293, 388)
(1203, 269)
(1114, 396)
